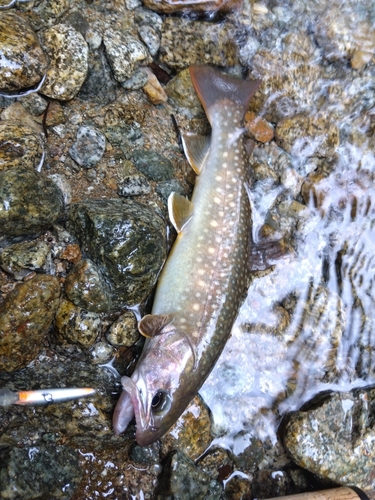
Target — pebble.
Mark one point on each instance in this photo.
(123, 332)
(185, 42)
(75, 325)
(23, 61)
(137, 81)
(165, 188)
(67, 52)
(181, 92)
(153, 165)
(99, 85)
(134, 185)
(89, 147)
(258, 128)
(150, 38)
(154, 91)
(25, 316)
(20, 146)
(34, 103)
(126, 240)
(21, 258)
(125, 53)
(29, 202)
(101, 353)
(86, 287)
(333, 438)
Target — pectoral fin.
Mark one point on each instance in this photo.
(196, 149)
(153, 324)
(180, 211)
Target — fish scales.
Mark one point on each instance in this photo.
(200, 288)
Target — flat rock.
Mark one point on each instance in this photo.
(25, 317)
(22, 61)
(20, 145)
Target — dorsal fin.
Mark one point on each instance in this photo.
(196, 149)
(213, 86)
(180, 210)
(152, 325)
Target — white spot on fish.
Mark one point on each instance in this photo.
(218, 177)
(211, 250)
(214, 223)
(196, 306)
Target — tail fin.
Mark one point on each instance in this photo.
(212, 86)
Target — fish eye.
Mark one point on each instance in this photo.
(161, 402)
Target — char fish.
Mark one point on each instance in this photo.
(202, 283)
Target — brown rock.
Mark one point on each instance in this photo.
(154, 90)
(258, 128)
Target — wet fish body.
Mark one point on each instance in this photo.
(200, 288)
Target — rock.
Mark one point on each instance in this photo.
(25, 316)
(123, 332)
(101, 353)
(76, 325)
(150, 38)
(269, 483)
(125, 54)
(126, 240)
(29, 202)
(154, 90)
(21, 258)
(332, 438)
(47, 14)
(145, 17)
(134, 185)
(19, 146)
(137, 81)
(34, 103)
(68, 55)
(181, 92)
(310, 136)
(170, 6)
(165, 188)
(72, 253)
(23, 63)
(258, 128)
(153, 165)
(185, 42)
(86, 288)
(54, 468)
(89, 147)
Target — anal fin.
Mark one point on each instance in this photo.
(197, 148)
(180, 211)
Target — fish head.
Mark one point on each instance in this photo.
(156, 394)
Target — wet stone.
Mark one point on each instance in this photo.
(165, 188)
(123, 332)
(76, 325)
(21, 258)
(89, 147)
(54, 470)
(67, 51)
(22, 62)
(101, 353)
(134, 185)
(29, 202)
(331, 437)
(126, 240)
(137, 81)
(186, 42)
(34, 104)
(125, 54)
(153, 165)
(86, 287)
(25, 316)
(150, 38)
(181, 92)
(20, 146)
(154, 90)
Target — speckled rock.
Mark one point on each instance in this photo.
(315, 136)
(22, 62)
(123, 332)
(22, 258)
(134, 185)
(99, 85)
(152, 164)
(89, 147)
(29, 202)
(34, 103)
(126, 240)
(19, 146)
(25, 317)
(101, 353)
(68, 55)
(150, 38)
(187, 42)
(137, 80)
(86, 288)
(47, 13)
(76, 325)
(333, 438)
(125, 54)
(165, 188)
(60, 478)
(181, 92)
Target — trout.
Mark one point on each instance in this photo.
(201, 286)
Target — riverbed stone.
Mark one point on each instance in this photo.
(333, 438)
(22, 61)
(20, 259)
(127, 241)
(76, 325)
(20, 145)
(25, 317)
(29, 202)
(89, 147)
(86, 287)
(67, 51)
(181, 92)
(123, 332)
(152, 164)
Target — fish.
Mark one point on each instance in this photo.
(203, 281)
